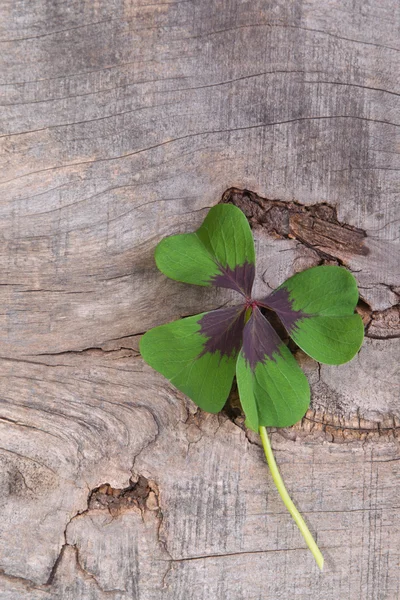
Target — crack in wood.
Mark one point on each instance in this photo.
(385, 324)
(141, 494)
(348, 428)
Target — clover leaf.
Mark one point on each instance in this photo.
(201, 354)
(220, 253)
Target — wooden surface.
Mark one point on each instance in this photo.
(122, 122)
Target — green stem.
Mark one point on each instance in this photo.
(276, 476)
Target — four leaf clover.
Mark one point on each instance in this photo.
(201, 354)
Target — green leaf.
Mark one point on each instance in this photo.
(219, 253)
(198, 354)
(273, 389)
(317, 308)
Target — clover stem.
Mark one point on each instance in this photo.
(276, 476)
(247, 314)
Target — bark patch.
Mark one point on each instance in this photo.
(141, 494)
(316, 226)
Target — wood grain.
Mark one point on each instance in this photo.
(122, 122)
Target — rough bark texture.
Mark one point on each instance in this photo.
(123, 122)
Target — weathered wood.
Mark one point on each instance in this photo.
(122, 122)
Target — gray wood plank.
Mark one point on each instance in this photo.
(122, 122)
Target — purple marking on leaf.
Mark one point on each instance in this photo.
(240, 278)
(260, 340)
(280, 302)
(224, 330)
